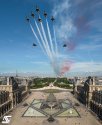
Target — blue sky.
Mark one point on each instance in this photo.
(78, 22)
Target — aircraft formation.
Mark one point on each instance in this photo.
(45, 38)
(40, 20)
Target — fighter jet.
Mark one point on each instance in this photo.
(52, 18)
(64, 45)
(27, 19)
(45, 14)
(32, 14)
(39, 19)
(37, 9)
(34, 44)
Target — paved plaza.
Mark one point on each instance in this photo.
(86, 118)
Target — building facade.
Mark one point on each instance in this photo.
(96, 103)
(89, 92)
(5, 103)
(11, 94)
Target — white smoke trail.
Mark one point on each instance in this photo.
(50, 38)
(45, 46)
(43, 31)
(56, 47)
(46, 49)
(52, 59)
(37, 38)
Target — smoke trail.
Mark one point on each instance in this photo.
(37, 38)
(56, 47)
(56, 67)
(65, 67)
(47, 47)
(42, 39)
(48, 29)
(43, 31)
(52, 58)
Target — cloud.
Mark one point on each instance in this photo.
(39, 62)
(95, 38)
(67, 57)
(90, 46)
(64, 27)
(76, 17)
(59, 55)
(97, 24)
(61, 7)
(87, 67)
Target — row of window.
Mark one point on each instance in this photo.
(96, 109)
(5, 108)
(97, 97)
(4, 96)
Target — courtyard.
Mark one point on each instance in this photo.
(38, 107)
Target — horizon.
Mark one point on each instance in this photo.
(70, 75)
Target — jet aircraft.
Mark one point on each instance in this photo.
(52, 18)
(34, 44)
(45, 14)
(27, 19)
(37, 9)
(39, 19)
(64, 45)
(32, 14)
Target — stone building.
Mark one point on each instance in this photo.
(90, 85)
(89, 92)
(11, 94)
(5, 103)
(83, 89)
(96, 103)
(78, 89)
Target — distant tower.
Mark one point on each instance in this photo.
(16, 73)
(8, 80)
(94, 81)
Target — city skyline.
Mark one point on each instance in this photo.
(82, 28)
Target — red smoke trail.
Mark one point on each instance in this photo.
(66, 66)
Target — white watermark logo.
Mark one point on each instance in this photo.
(6, 119)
